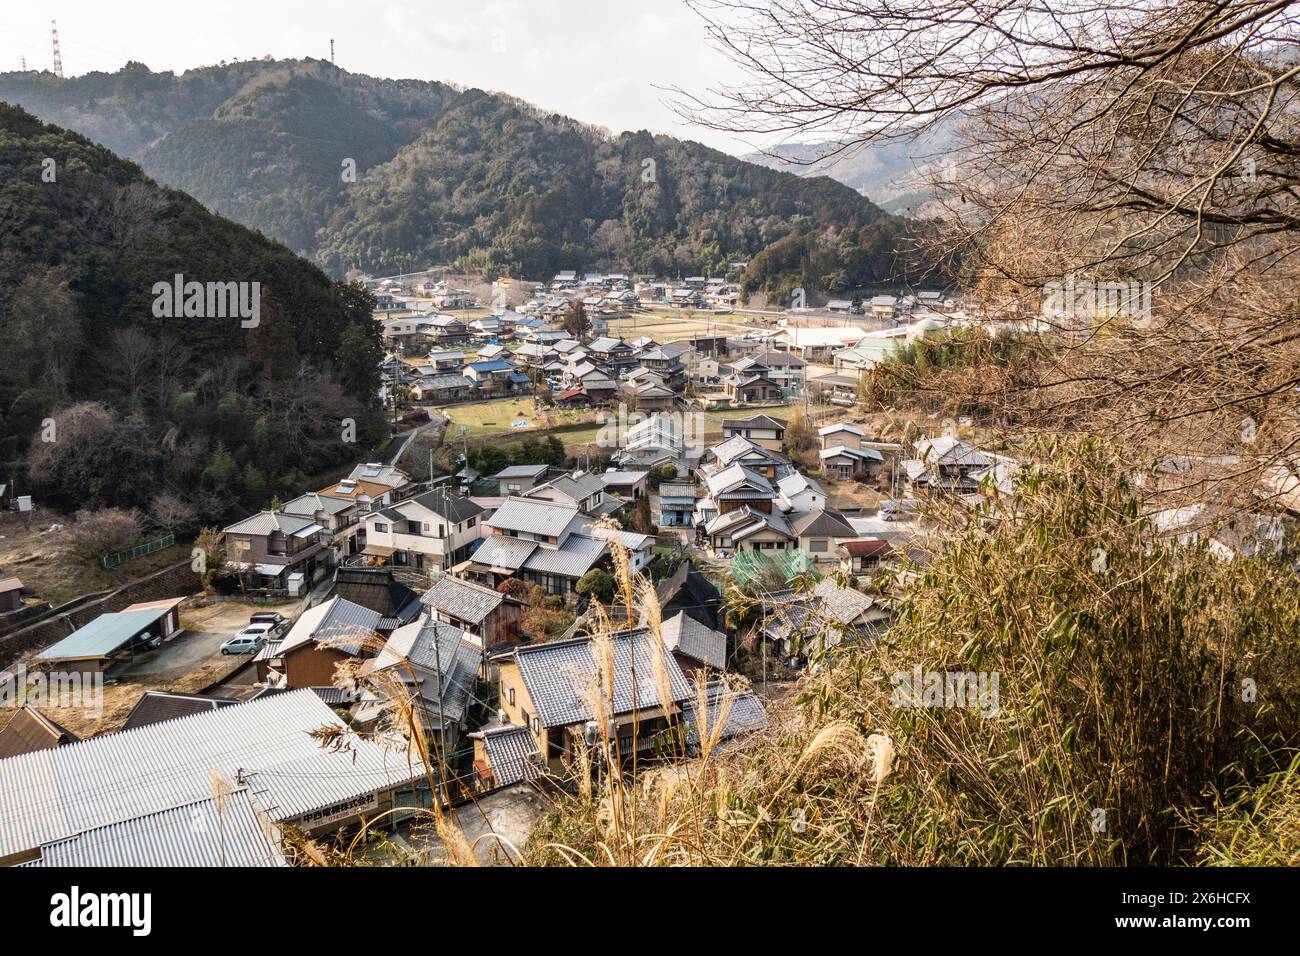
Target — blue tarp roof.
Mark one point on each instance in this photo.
(102, 636)
(492, 365)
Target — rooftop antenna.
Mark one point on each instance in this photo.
(58, 60)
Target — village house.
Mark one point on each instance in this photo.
(659, 440)
(322, 638)
(688, 590)
(817, 344)
(749, 383)
(277, 551)
(798, 494)
(802, 626)
(558, 714)
(863, 555)
(376, 589)
(760, 429)
(696, 646)
(378, 473)
(581, 490)
(741, 451)
(615, 354)
(676, 504)
(506, 754)
(436, 666)
(819, 533)
(945, 464)
(842, 453)
(487, 615)
(432, 531)
(629, 485)
(516, 479)
(338, 518)
(749, 528)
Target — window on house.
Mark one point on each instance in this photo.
(817, 544)
(511, 696)
(380, 526)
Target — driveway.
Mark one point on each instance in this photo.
(205, 630)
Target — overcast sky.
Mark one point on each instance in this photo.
(595, 60)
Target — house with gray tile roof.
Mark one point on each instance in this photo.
(730, 717)
(432, 531)
(506, 754)
(480, 611)
(436, 664)
(549, 689)
(694, 644)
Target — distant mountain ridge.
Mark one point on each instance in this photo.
(459, 177)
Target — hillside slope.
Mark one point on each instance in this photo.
(104, 400)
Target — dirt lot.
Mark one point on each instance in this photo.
(49, 565)
(188, 663)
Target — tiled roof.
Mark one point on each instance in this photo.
(455, 508)
(156, 706)
(463, 600)
(512, 754)
(745, 714)
(822, 522)
(558, 675)
(685, 634)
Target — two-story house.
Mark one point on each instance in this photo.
(432, 531)
(760, 429)
(338, 516)
(277, 551)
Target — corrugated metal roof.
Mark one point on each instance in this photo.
(346, 626)
(534, 517)
(559, 674)
(193, 834)
(102, 636)
(500, 551)
(572, 559)
(52, 795)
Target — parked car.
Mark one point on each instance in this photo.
(273, 618)
(249, 640)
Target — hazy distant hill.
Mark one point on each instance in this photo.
(447, 176)
(892, 174)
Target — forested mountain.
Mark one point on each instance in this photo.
(464, 177)
(104, 402)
